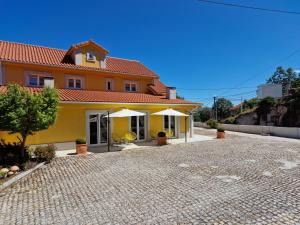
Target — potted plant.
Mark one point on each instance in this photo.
(81, 147)
(161, 138)
(220, 133)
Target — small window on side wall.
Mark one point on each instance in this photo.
(109, 84)
(130, 86)
(74, 82)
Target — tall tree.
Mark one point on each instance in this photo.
(284, 77)
(223, 106)
(24, 113)
(203, 115)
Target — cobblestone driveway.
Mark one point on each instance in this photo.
(239, 181)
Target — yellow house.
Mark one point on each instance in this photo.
(91, 83)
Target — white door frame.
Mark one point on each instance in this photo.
(87, 125)
(177, 124)
(146, 122)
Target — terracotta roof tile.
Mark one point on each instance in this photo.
(70, 95)
(158, 88)
(32, 54)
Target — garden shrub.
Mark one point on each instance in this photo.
(11, 154)
(221, 129)
(80, 141)
(161, 134)
(45, 153)
(212, 123)
(230, 120)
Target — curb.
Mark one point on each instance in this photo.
(20, 176)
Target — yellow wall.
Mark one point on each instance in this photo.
(93, 80)
(71, 122)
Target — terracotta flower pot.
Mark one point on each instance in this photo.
(81, 149)
(220, 135)
(161, 140)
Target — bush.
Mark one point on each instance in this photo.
(80, 141)
(161, 134)
(221, 129)
(11, 154)
(230, 120)
(212, 123)
(45, 153)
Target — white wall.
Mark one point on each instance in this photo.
(273, 90)
(289, 132)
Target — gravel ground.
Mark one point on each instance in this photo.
(234, 181)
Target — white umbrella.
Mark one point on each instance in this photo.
(121, 113)
(169, 112)
(172, 112)
(126, 113)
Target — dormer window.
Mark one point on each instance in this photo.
(90, 56)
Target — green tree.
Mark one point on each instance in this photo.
(24, 113)
(264, 107)
(284, 77)
(203, 115)
(223, 106)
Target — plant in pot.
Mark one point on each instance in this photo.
(220, 133)
(161, 138)
(81, 147)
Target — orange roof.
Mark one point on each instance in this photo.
(158, 87)
(71, 95)
(39, 55)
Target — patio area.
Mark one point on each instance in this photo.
(134, 145)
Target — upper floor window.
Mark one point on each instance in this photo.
(109, 83)
(130, 86)
(35, 79)
(74, 82)
(90, 56)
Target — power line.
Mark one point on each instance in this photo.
(238, 94)
(250, 7)
(212, 89)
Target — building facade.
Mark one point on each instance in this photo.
(90, 83)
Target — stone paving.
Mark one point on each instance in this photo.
(233, 181)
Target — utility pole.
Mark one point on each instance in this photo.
(241, 104)
(216, 110)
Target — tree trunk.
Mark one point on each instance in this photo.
(24, 136)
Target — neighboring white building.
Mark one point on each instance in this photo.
(272, 90)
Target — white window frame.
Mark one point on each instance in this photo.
(39, 75)
(177, 124)
(90, 56)
(146, 125)
(74, 78)
(112, 85)
(130, 82)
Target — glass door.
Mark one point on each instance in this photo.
(138, 126)
(97, 129)
(170, 124)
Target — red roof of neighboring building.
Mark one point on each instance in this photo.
(39, 55)
(71, 95)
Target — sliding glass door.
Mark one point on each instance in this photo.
(138, 126)
(97, 129)
(170, 124)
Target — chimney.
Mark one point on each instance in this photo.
(49, 82)
(171, 93)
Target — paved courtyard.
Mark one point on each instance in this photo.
(240, 180)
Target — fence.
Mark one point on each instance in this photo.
(289, 132)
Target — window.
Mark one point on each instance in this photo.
(90, 56)
(130, 86)
(74, 82)
(37, 80)
(109, 84)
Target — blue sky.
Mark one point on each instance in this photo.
(191, 45)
